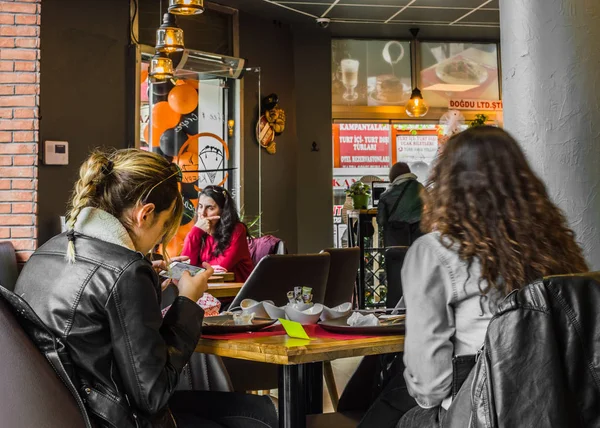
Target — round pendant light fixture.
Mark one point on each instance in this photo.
(161, 68)
(169, 37)
(416, 105)
(186, 7)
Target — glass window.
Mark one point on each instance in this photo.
(458, 70)
(370, 72)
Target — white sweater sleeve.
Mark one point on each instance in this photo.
(428, 349)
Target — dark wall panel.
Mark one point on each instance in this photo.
(83, 94)
(269, 45)
(312, 61)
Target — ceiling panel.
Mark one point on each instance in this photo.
(449, 3)
(296, 2)
(376, 3)
(362, 13)
(483, 16)
(430, 15)
(313, 9)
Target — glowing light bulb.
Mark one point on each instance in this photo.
(416, 105)
(161, 68)
(186, 7)
(169, 37)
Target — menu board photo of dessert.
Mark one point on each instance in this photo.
(452, 70)
(370, 72)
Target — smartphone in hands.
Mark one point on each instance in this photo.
(176, 269)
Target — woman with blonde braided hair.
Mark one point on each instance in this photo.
(491, 229)
(97, 292)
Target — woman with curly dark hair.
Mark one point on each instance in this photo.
(491, 229)
(219, 237)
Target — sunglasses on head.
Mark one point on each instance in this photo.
(176, 172)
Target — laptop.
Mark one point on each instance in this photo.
(377, 188)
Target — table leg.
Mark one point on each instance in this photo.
(292, 410)
(362, 266)
(312, 374)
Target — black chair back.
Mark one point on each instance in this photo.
(276, 274)
(341, 280)
(394, 259)
(32, 394)
(8, 266)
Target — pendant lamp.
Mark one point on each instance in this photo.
(169, 37)
(416, 105)
(161, 68)
(186, 7)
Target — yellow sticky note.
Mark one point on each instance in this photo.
(294, 329)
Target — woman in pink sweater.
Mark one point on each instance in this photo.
(219, 237)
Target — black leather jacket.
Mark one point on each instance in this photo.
(125, 359)
(540, 364)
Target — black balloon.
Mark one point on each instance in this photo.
(189, 190)
(158, 151)
(172, 139)
(189, 123)
(160, 91)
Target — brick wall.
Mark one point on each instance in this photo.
(19, 124)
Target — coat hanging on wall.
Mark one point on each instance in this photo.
(270, 124)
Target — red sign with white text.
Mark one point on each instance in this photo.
(361, 145)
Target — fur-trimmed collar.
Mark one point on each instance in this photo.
(99, 224)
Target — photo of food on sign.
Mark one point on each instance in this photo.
(370, 72)
(458, 70)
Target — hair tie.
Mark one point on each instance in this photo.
(107, 167)
(71, 235)
(225, 193)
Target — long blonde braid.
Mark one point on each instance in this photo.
(85, 188)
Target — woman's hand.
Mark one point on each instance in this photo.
(193, 287)
(207, 224)
(161, 265)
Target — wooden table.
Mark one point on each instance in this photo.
(222, 277)
(224, 289)
(300, 364)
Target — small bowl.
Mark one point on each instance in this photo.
(337, 312)
(251, 306)
(307, 316)
(300, 306)
(273, 311)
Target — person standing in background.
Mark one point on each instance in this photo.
(400, 207)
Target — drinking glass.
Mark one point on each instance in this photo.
(350, 78)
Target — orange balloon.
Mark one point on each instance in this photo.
(163, 117)
(188, 163)
(144, 76)
(156, 133)
(193, 83)
(175, 246)
(183, 99)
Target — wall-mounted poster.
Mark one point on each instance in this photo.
(370, 72)
(361, 145)
(458, 70)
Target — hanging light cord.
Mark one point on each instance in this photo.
(135, 11)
